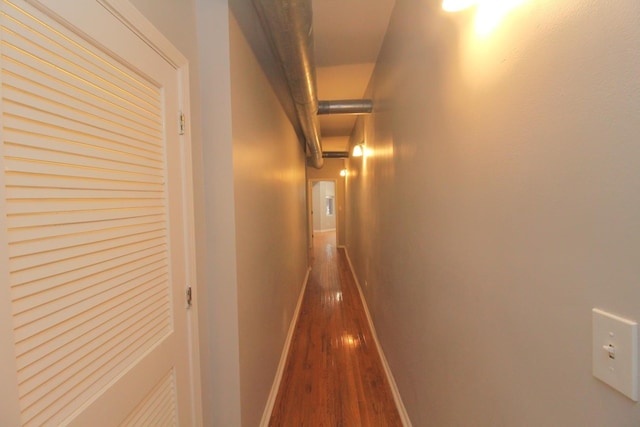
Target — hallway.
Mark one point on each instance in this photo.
(333, 375)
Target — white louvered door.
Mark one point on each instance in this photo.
(92, 243)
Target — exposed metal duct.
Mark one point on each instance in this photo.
(335, 154)
(288, 24)
(345, 106)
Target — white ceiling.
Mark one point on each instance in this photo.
(348, 35)
(349, 31)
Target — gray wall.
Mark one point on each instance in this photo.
(498, 205)
(271, 224)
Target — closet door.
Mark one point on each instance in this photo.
(92, 268)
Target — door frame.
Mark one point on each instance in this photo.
(310, 182)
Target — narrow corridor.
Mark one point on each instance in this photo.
(334, 375)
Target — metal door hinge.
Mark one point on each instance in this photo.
(189, 297)
(182, 123)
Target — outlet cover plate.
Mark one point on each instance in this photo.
(615, 352)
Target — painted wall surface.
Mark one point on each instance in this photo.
(270, 215)
(497, 205)
(331, 170)
(222, 363)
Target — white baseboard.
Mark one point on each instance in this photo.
(404, 416)
(266, 415)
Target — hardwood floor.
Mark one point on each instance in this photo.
(333, 375)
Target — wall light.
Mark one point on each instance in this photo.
(343, 172)
(358, 150)
(457, 5)
(489, 12)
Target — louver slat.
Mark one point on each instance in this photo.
(157, 409)
(82, 65)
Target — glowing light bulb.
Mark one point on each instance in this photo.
(491, 12)
(358, 151)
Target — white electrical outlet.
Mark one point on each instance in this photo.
(615, 352)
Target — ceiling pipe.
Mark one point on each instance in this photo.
(288, 24)
(346, 106)
(335, 154)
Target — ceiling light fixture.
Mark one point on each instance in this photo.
(358, 150)
(457, 5)
(489, 13)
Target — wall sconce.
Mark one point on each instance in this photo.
(343, 172)
(489, 13)
(358, 150)
(457, 5)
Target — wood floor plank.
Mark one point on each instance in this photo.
(333, 374)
